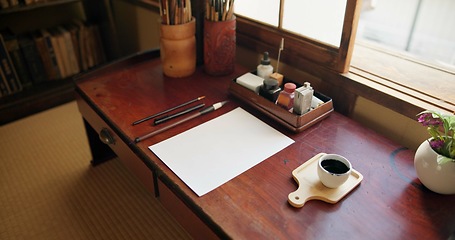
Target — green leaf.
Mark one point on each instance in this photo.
(443, 159)
(451, 122)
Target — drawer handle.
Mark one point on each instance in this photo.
(106, 137)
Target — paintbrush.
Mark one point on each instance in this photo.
(173, 12)
(279, 77)
(279, 54)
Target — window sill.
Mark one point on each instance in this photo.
(400, 83)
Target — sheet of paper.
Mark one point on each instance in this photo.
(211, 154)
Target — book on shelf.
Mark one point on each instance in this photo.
(27, 2)
(4, 4)
(86, 48)
(100, 57)
(17, 58)
(9, 3)
(91, 47)
(61, 41)
(2, 83)
(82, 43)
(74, 31)
(13, 3)
(58, 43)
(49, 54)
(52, 53)
(9, 76)
(73, 65)
(46, 50)
(32, 58)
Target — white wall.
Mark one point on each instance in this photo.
(137, 27)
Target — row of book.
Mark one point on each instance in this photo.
(47, 55)
(13, 3)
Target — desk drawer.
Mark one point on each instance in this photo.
(193, 225)
(120, 148)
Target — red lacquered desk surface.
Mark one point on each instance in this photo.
(390, 203)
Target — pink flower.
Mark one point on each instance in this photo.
(427, 120)
(436, 143)
(441, 128)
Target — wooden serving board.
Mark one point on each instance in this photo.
(310, 187)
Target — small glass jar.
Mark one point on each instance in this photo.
(264, 70)
(270, 89)
(286, 97)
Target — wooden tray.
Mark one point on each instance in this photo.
(310, 187)
(294, 122)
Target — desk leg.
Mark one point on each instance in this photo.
(100, 151)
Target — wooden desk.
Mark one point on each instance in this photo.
(390, 203)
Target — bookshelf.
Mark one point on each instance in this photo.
(21, 8)
(47, 94)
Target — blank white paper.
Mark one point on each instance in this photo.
(211, 154)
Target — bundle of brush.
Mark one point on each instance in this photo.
(177, 38)
(219, 10)
(174, 12)
(219, 37)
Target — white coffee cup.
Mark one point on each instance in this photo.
(333, 170)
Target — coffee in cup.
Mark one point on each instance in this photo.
(333, 170)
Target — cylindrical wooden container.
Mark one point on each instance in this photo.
(219, 47)
(178, 49)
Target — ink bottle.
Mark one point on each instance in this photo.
(270, 89)
(264, 70)
(286, 97)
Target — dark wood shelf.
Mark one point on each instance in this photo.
(41, 96)
(35, 99)
(21, 8)
(48, 94)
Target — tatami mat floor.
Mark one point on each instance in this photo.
(49, 190)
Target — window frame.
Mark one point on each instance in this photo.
(393, 91)
(333, 58)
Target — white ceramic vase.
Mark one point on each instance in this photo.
(437, 178)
